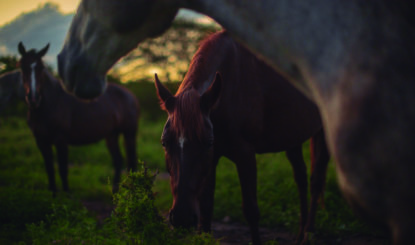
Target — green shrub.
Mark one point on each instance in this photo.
(135, 213)
(138, 218)
(135, 220)
(68, 224)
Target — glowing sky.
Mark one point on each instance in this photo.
(10, 9)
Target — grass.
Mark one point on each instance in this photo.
(27, 209)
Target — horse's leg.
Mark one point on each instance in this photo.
(114, 149)
(319, 162)
(402, 229)
(245, 162)
(295, 156)
(207, 198)
(46, 151)
(130, 149)
(62, 152)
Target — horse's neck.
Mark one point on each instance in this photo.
(309, 43)
(51, 86)
(209, 58)
(268, 27)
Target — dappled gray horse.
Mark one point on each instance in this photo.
(354, 58)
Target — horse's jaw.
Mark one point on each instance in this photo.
(79, 79)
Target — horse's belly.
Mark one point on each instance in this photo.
(88, 135)
(278, 138)
(84, 140)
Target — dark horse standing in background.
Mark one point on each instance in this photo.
(57, 118)
(246, 108)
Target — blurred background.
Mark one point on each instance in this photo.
(37, 23)
(29, 214)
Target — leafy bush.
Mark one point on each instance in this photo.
(138, 218)
(135, 213)
(69, 224)
(135, 220)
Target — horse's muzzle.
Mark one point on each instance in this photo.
(33, 103)
(79, 78)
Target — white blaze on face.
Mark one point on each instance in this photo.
(33, 80)
(181, 142)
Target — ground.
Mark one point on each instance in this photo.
(231, 233)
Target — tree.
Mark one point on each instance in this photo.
(8, 63)
(169, 55)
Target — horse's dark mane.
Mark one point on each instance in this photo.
(187, 116)
(213, 49)
(187, 119)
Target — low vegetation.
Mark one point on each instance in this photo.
(29, 214)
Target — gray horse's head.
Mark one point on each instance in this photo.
(102, 31)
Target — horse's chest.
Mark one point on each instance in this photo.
(49, 125)
(40, 128)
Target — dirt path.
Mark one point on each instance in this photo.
(236, 233)
(232, 234)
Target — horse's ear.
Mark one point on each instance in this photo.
(165, 97)
(211, 96)
(21, 48)
(42, 52)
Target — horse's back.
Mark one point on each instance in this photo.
(125, 100)
(290, 118)
(116, 111)
(120, 105)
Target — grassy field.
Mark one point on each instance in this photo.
(27, 207)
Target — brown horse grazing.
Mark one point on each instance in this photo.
(247, 108)
(57, 118)
(11, 88)
(354, 58)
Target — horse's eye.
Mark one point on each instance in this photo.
(163, 143)
(209, 143)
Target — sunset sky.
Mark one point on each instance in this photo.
(10, 9)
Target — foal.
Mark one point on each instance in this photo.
(57, 118)
(234, 105)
